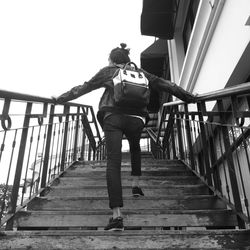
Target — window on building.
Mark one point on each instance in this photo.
(189, 22)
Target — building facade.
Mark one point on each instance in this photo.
(208, 44)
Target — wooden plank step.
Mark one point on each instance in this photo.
(101, 190)
(102, 173)
(131, 239)
(97, 203)
(132, 218)
(126, 181)
(144, 164)
(144, 161)
(128, 168)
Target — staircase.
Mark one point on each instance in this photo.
(177, 212)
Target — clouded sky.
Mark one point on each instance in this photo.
(49, 46)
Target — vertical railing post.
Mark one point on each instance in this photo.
(19, 165)
(65, 137)
(47, 147)
(89, 153)
(103, 152)
(215, 171)
(230, 162)
(204, 140)
(94, 154)
(179, 134)
(189, 140)
(172, 136)
(83, 144)
(76, 135)
(166, 152)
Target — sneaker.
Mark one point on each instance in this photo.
(115, 224)
(136, 191)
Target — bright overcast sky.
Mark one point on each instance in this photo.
(49, 46)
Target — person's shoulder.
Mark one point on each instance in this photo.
(108, 68)
(106, 72)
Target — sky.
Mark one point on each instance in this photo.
(50, 46)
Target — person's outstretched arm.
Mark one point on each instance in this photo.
(160, 84)
(96, 82)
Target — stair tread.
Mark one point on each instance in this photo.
(135, 239)
(101, 190)
(126, 211)
(132, 218)
(97, 204)
(100, 186)
(144, 161)
(93, 173)
(167, 197)
(128, 166)
(76, 232)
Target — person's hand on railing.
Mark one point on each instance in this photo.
(54, 99)
(195, 95)
(191, 98)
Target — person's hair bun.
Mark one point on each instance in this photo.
(123, 45)
(120, 55)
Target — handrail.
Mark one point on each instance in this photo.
(33, 153)
(23, 97)
(213, 142)
(241, 89)
(33, 98)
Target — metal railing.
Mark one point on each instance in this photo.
(212, 137)
(38, 141)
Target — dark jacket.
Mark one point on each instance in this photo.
(104, 79)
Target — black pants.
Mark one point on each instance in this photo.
(115, 126)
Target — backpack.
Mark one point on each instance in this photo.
(131, 88)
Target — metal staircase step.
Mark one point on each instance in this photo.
(101, 190)
(132, 218)
(146, 239)
(96, 203)
(79, 181)
(153, 172)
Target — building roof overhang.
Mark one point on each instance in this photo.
(158, 18)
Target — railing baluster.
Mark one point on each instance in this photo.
(2, 145)
(8, 177)
(19, 165)
(224, 166)
(204, 145)
(51, 165)
(57, 149)
(214, 156)
(196, 144)
(47, 147)
(26, 182)
(42, 154)
(231, 168)
(89, 152)
(183, 132)
(189, 140)
(172, 138)
(34, 168)
(179, 134)
(61, 132)
(65, 137)
(83, 145)
(76, 135)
